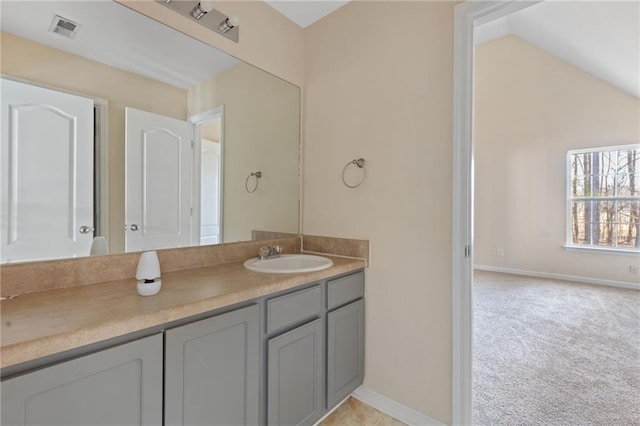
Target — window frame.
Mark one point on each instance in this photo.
(569, 244)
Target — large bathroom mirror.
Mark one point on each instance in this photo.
(121, 134)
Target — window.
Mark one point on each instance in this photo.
(604, 198)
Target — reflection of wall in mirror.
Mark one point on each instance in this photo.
(261, 133)
(211, 130)
(55, 68)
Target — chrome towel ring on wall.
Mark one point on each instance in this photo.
(360, 163)
(257, 176)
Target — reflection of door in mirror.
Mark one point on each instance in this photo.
(151, 67)
(159, 182)
(209, 136)
(47, 173)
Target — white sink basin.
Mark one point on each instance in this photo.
(289, 264)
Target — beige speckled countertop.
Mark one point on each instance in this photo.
(40, 324)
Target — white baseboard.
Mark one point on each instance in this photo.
(586, 280)
(394, 409)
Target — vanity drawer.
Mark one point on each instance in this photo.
(345, 289)
(293, 308)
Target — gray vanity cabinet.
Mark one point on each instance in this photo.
(345, 336)
(295, 360)
(212, 370)
(117, 386)
(294, 376)
(345, 351)
(283, 359)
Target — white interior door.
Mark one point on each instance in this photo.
(47, 173)
(210, 162)
(159, 181)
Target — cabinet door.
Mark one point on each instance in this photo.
(345, 351)
(212, 370)
(295, 376)
(116, 386)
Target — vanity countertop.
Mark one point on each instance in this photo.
(40, 324)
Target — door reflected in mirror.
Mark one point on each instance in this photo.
(150, 185)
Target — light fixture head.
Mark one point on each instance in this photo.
(228, 23)
(202, 8)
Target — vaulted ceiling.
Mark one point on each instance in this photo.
(600, 37)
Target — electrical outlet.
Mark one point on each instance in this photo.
(633, 269)
(500, 252)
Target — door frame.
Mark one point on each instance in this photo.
(198, 120)
(101, 167)
(467, 15)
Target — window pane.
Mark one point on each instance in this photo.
(578, 164)
(629, 185)
(578, 233)
(578, 187)
(578, 226)
(623, 184)
(604, 163)
(604, 223)
(628, 212)
(628, 160)
(604, 186)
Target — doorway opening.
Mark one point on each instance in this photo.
(550, 163)
(209, 136)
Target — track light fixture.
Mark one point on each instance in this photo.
(204, 13)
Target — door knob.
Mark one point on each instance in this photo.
(134, 227)
(85, 229)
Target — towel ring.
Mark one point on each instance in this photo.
(257, 175)
(360, 163)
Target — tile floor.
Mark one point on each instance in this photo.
(355, 413)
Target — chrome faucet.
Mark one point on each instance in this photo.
(269, 252)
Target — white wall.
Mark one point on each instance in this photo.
(530, 108)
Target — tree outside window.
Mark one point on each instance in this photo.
(604, 198)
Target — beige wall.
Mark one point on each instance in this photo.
(268, 40)
(55, 68)
(530, 109)
(384, 92)
(261, 132)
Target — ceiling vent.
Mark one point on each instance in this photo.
(64, 27)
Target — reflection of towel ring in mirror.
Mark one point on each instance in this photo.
(257, 175)
(360, 163)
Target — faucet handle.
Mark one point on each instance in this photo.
(277, 249)
(264, 252)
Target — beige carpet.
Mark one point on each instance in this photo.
(554, 353)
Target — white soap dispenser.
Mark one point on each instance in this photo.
(148, 274)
